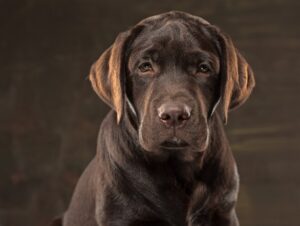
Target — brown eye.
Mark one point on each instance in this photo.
(204, 68)
(145, 67)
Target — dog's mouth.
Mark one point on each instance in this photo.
(174, 144)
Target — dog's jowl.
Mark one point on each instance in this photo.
(162, 154)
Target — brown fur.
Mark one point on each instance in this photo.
(135, 178)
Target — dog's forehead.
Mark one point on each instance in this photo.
(162, 34)
(173, 33)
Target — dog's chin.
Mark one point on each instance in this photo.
(172, 147)
(174, 143)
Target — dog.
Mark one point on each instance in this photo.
(162, 157)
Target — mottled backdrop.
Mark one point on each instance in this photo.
(49, 115)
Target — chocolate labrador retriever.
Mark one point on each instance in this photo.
(162, 156)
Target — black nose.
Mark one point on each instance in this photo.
(174, 115)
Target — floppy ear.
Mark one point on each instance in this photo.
(108, 73)
(237, 79)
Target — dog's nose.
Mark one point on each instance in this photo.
(174, 115)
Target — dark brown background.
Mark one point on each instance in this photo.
(49, 115)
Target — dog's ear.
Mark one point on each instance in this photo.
(108, 73)
(237, 79)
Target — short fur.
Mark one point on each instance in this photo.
(134, 180)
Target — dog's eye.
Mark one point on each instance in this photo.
(203, 68)
(145, 67)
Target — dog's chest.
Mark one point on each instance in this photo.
(153, 192)
(174, 183)
(166, 189)
(174, 177)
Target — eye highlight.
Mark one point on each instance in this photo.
(204, 68)
(145, 67)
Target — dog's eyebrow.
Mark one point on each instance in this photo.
(149, 52)
(203, 55)
(152, 53)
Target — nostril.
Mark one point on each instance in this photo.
(164, 116)
(183, 117)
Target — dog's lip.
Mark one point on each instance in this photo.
(174, 143)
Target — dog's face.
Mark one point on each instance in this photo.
(173, 74)
(173, 70)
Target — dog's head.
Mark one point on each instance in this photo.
(172, 72)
